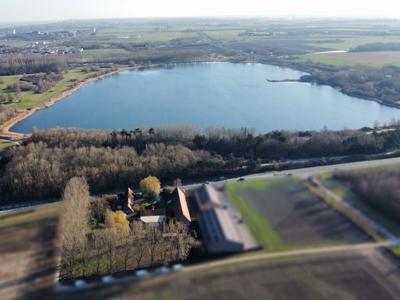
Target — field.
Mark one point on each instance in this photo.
(345, 192)
(28, 253)
(347, 42)
(367, 275)
(283, 214)
(29, 99)
(135, 34)
(372, 59)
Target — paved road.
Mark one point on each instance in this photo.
(27, 207)
(303, 172)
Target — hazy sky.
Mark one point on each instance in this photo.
(45, 10)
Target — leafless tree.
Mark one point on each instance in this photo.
(74, 223)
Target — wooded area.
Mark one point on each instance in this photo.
(381, 84)
(380, 189)
(22, 64)
(110, 160)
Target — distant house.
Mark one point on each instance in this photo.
(179, 206)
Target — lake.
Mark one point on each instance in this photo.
(231, 95)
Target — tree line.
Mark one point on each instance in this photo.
(108, 160)
(360, 81)
(376, 47)
(38, 171)
(244, 143)
(28, 64)
(379, 189)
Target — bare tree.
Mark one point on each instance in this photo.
(139, 242)
(153, 240)
(74, 224)
(125, 239)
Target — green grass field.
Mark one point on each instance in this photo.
(29, 99)
(259, 227)
(346, 43)
(372, 59)
(139, 35)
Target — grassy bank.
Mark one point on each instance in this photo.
(259, 226)
(29, 99)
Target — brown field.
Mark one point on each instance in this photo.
(28, 254)
(368, 275)
(300, 218)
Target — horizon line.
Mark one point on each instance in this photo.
(276, 17)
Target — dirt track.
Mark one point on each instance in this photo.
(28, 256)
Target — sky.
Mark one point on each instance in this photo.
(14, 11)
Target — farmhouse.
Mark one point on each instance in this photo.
(218, 227)
(170, 205)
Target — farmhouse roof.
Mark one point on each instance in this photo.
(181, 207)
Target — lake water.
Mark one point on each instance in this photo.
(209, 95)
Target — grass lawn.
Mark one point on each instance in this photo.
(29, 99)
(258, 225)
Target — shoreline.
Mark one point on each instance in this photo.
(5, 128)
